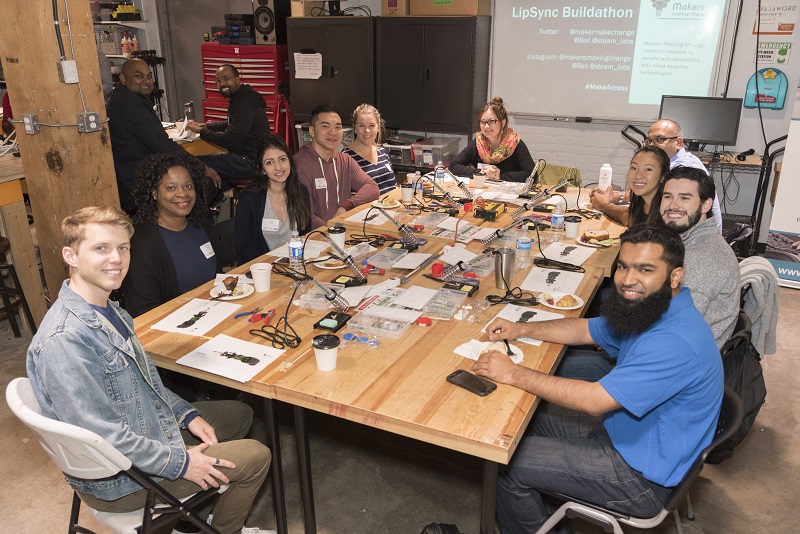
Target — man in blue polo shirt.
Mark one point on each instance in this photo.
(625, 440)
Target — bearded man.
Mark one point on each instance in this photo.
(625, 440)
(711, 269)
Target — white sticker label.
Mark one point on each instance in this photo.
(208, 250)
(270, 225)
(320, 183)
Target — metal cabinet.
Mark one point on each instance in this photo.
(433, 72)
(347, 46)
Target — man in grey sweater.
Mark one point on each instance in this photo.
(711, 270)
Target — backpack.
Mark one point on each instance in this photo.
(741, 363)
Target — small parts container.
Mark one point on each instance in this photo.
(377, 326)
(315, 299)
(387, 257)
(434, 149)
(400, 154)
(444, 303)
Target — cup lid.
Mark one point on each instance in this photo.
(573, 219)
(336, 230)
(325, 341)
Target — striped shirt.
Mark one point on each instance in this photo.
(381, 172)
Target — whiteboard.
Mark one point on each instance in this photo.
(605, 60)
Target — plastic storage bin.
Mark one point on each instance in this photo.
(400, 154)
(434, 149)
(377, 326)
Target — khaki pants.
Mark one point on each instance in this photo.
(231, 421)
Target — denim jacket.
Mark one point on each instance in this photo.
(84, 373)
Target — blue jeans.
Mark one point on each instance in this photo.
(229, 166)
(569, 452)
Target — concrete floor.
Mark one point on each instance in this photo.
(368, 481)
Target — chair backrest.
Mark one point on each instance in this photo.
(76, 451)
(221, 237)
(730, 418)
(552, 174)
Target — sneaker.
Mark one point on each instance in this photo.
(256, 530)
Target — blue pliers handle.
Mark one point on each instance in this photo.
(246, 313)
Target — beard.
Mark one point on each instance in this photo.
(693, 219)
(627, 317)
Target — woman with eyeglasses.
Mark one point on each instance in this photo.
(645, 178)
(497, 149)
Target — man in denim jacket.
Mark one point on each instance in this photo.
(88, 368)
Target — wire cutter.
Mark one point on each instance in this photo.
(266, 316)
(246, 313)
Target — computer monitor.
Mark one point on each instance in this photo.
(703, 120)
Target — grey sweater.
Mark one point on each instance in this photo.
(712, 273)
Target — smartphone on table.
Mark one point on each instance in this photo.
(476, 384)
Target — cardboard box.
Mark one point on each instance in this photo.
(303, 9)
(395, 8)
(451, 7)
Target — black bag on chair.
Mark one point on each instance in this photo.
(440, 528)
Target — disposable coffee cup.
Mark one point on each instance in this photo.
(407, 192)
(262, 276)
(326, 349)
(477, 180)
(337, 235)
(572, 226)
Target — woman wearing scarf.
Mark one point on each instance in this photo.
(497, 149)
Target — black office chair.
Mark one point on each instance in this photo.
(13, 298)
(739, 238)
(730, 418)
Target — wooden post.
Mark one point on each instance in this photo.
(64, 169)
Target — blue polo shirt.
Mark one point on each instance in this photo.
(669, 382)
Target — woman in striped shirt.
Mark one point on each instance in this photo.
(366, 149)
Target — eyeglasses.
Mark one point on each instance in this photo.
(490, 122)
(658, 140)
(225, 79)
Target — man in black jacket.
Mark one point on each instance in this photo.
(136, 131)
(247, 124)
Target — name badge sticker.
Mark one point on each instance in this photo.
(270, 225)
(320, 183)
(207, 250)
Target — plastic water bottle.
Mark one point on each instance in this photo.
(557, 222)
(438, 173)
(524, 242)
(296, 252)
(604, 182)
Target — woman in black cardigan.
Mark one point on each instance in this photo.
(496, 148)
(170, 249)
(273, 206)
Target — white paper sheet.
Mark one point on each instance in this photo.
(307, 66)
(522, 314)
(551, 280)
(376, 218)
(567, 252)
(354, 295)
(197, 317)
(453, 255)
(415, 297)
(412, 260)
(231, 357)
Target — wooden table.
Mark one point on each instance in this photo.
(15, 222)
(198, 147)
(399, 387)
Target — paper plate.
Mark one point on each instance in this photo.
(388, 204)
(246, 291)
(555, 296)
(321, 265)
(515, 350)
(580, 241)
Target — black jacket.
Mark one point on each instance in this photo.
(136, 133)
(515, 168)
(247, 124)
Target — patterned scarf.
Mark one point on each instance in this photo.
(507, 146)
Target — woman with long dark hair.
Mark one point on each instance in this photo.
(170, 252)
(273, 206)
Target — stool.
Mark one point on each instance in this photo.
(12, 297)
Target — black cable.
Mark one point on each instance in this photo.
(285, 336)
(547, 263)
(758, 101)
(62, 54)
(733, 48)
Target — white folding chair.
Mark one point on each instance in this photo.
(83, 454)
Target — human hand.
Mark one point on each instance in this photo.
(200, 428)
(495, 366)
(215, 177)
(194, 127)
(340, 211)
(203, 470)
(504, 329)
(491, 172)
(600, 198)
(796, 244)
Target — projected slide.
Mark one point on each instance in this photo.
(603, 60)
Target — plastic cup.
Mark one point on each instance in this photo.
(407, 192)
(326, 349)
(477, 180)
(338, 235)
(572, 226)
(262, 276)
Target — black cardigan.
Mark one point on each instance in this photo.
(247, 236)
(151, 279)
(515, 168)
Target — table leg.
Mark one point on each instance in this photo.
(274, 439)
(489, 499)
(304, 462)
